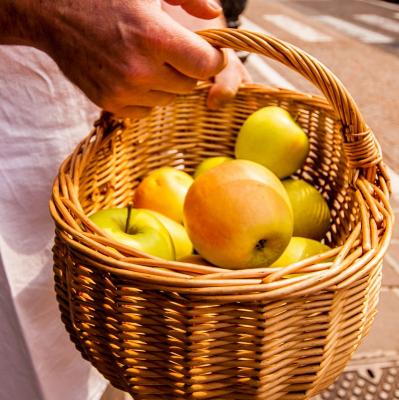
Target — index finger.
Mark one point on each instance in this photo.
(192, 55)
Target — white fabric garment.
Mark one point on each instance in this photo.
(42, 118)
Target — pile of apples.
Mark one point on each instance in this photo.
(246, 212)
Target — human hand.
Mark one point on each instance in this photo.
(126, 56)
(227, 82)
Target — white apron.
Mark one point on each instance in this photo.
(42, 117)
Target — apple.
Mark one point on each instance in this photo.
(164, 190)
(245, 169)
(181, 241)
(144, 232)
(237, 216)
(298, 249)
(311, 212)
(209, 163)
(271, 137)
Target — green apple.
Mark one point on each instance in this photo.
(209, 163)
(238, 215)
(164, 190)
(311, 212)
(298, 249)
(181, 241)
(144, 232)
(271, 137)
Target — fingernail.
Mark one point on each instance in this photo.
(214, 4)
(225, 96)
(228, 94)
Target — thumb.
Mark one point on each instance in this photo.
(206, 9)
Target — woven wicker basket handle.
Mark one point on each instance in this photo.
(360, 146)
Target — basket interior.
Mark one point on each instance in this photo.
(184, 133)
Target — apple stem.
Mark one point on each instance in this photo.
(129, 212)
(261, 244)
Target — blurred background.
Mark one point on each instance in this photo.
(359, 41)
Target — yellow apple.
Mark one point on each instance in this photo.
(238, 217)
(144, 232)
(271, 137)
(311, 212)
(164, 190)
(298, 249)
(181, 241)
(209, 163)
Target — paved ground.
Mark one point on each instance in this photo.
(359, 41)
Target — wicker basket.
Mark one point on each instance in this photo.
(167, 330)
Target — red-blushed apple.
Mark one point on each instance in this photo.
(245, 169)
(238, 215)
(209, 163)
(181, 241)
(164, 190)
(144, 231)
(311, 212)
(271, 137)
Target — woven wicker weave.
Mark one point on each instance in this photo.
(167, 330)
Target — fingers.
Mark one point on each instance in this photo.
(191, 55)
(157, 86)
(227, 82)
(206, 9)
(219, 95)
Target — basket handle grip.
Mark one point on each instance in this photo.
(361, 148)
